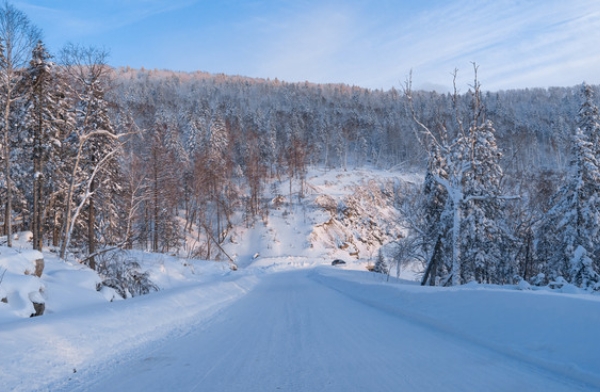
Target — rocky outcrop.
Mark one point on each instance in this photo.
(362, 218)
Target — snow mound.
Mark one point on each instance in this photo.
(66, 285)
(19, 288)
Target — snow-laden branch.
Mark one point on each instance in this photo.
(424, 128)
(70, 220)
(490, 197)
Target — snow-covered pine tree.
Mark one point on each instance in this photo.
(588, 118)
(21, 172)
(216, 168)
(161, 200)
(473, 205)
(436, 222)
(453, 156)
(582, 272)
(194, 132)
(268, 143)
(458, 165)
(46, 114)
(255, 171)
(216, 143)
(589, 122)
(484, 241)
(574, 219)
(381, 266)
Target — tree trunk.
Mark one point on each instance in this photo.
(8, 210)
(456, 243)
(38, 180)
(56, 230)
(38, 212)
(431, 270)
(91, 228)
(67, 213)
(156, 210)
(36, 207)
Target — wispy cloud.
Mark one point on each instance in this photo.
(78, 17)
(517, 43)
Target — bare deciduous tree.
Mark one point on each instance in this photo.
(96, 141)
(19, 36)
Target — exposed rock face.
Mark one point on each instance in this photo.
(362, 217)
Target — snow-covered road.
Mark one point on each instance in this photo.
(299, 331)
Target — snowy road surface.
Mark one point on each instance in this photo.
(298, 331)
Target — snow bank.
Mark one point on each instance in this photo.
(80, 325)
(45, 350)
(19, 288)
(551, 330)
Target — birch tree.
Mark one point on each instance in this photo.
(95, 143)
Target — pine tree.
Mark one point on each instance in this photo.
(589, 118)
(470, 225)
(589, 123)
(484, 241)
(381, 266)
(581, 271)
(574, 219)
(214, 167)
(436, 222)
(161, 201)
(47, 113)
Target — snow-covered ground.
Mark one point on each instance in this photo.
(288, 320)
(321, 328)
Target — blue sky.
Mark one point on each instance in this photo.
(374, 44)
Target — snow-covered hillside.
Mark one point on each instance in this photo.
(346, 215)
(342, 214)
(287, 319)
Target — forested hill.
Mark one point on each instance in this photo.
(141, 159)
(339, 125)
(202, 148)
